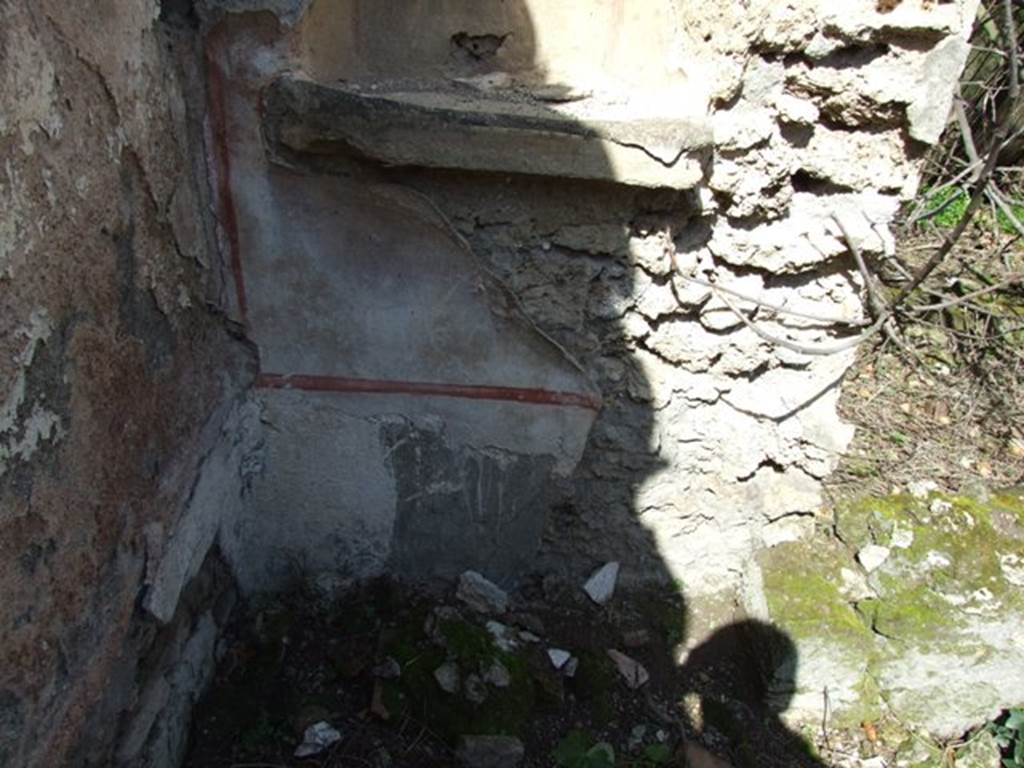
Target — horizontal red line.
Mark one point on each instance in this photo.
(312, 383)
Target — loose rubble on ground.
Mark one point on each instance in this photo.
(552, 674)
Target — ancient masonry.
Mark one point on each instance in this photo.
(296, 289)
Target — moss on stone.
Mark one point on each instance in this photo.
(944, 557)
(870, 520)
(469, 643)
(802, 584)
(505, 711)
(911, 612)
(943, 578)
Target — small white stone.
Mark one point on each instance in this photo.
(447, 676)
(558, 657)
(316, 739)
(497, 674)
(1012, 567)
(481, 594)
(632, 670)
(872, 556)
(504, 637)
(601, 584)
(920, 489)
(939, 507)
(901, 538)
(936, 560)
(855, 586)
(474, 689)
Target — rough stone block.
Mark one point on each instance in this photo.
(462, 130)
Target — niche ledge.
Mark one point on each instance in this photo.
(461, 128)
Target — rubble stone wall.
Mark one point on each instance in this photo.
(713, 442)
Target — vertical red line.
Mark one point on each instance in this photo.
(217, 95)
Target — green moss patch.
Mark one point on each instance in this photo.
(802, 582)
(944, 561)
(470, 646)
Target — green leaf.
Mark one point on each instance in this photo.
(572, 750)
(1015, 722)
(659, 754)
(601, 755)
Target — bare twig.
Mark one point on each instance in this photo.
(778, 308)
(999, 200)
(968, 296)
(968, 136)
(803, 348)
(875, 300)
(826, 706)
(1011, 44)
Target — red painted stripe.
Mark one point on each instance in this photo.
(217, 96)
(314, 383)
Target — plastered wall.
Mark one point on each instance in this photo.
(119, 382)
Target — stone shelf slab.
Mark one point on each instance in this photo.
(474, 131)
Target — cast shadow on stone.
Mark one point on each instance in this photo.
(753, 667)
(577, 289)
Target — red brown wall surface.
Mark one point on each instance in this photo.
(113, 358)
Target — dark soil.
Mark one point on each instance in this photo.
(302, 659)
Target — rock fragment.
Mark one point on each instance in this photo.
(872, 556)
(377, 707)
(601, 584)
(920, 489)
(497, 674)
(1012, 566)
(490, 751)
(388, 669)
(447, 676)
(573, 664)
(481, 594)
(855, 585)
(631, 670)
(504, 636)
(474, 689)
(528, 621)
(558, 657)
(317, 738)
